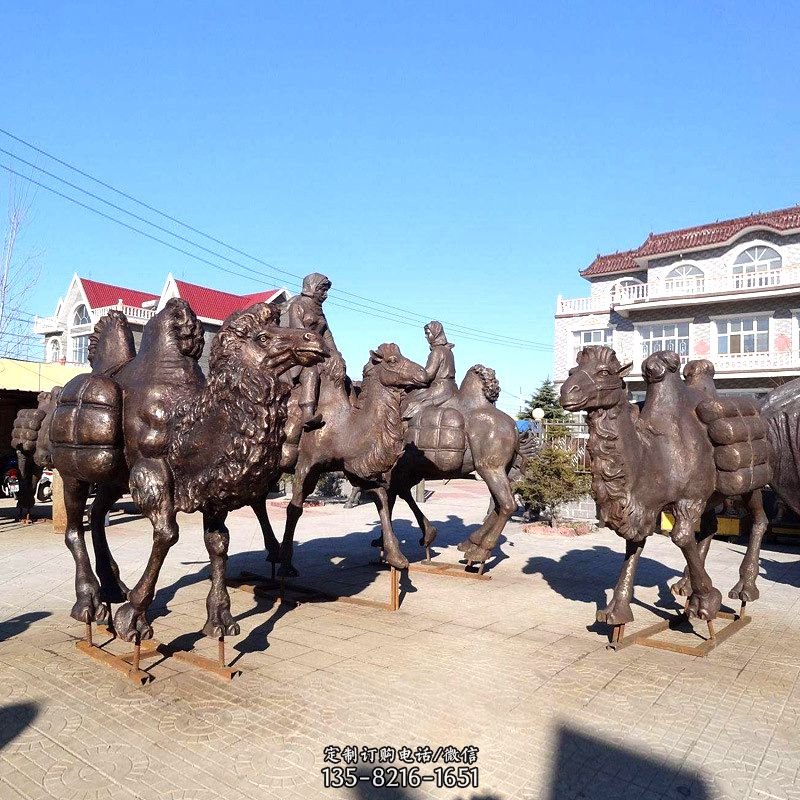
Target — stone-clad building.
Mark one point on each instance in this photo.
(66, 333)
(728, 291)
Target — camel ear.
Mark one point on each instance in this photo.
(625, 369)
(376, 357)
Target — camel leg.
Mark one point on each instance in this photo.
(392, 553)
(746, 589)
(504, 506)
(708, 527)
(705, 600)
(271, 544)
(151, 487)
(88, 605)
(305, 479)
(112, 589)
(220, 621)
(618, 611)
(428, 531)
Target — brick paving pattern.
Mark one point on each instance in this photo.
(513, 666)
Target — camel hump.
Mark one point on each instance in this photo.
(439, 432)
(86, 428)
(741, 448)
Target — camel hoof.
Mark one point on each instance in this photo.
(476, 553)
(128, 622)
(746, 592)
(467, 544)
(221, 623)
(396, 559)
(427, 538)
(704, 606)
(287, 571)
(682, 587)
(89, 608)
(615, 614)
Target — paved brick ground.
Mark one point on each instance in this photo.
(513, 666)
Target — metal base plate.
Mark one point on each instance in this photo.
(148, 649)
(646, 636)
(290, 592)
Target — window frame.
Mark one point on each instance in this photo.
(728, 318)
(640, 340)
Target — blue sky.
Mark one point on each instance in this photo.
(459, 160)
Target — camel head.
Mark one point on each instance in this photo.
(391, 368)
(480, 382)
(175, 326)
(597, 381)
(251, 341)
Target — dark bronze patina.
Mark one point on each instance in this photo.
(151, 422)
(683, 453)
(362, 435)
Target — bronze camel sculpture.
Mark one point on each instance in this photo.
(465, 434)
(110, 346)
(179, 442)
(363, 436)
(669, 456)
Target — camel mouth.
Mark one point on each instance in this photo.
(310, 353)
(569, 402)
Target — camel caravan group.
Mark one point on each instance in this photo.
(277, 398)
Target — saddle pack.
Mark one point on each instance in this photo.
(86, 429)
(439, 433)
(741, 448)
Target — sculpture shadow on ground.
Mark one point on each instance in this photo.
(785, 572)
(15, 719)
(449, 532)
(589, 767)
(14, 626)
(588, 574)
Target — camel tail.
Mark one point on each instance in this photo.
(527, 447)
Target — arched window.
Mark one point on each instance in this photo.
(81, 316)
(684, 279)
(54, 351)
(757, 266)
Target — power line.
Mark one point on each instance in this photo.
(494, 337)
(371, 312)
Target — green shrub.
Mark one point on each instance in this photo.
(549, 480)
(330, 484)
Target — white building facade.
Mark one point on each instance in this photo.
(728, 292)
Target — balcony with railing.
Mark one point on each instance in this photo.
(727, 363)
(135, 314)
(666, 291)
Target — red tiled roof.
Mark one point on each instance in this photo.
(213, 304)
(615, 262)
(106, 294)
(694, 238)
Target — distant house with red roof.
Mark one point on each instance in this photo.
(66, 333)
(727, 291)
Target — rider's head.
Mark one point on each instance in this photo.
(434, 332)
(316, 285)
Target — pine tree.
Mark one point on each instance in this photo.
(546, 398)
(549, 480)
